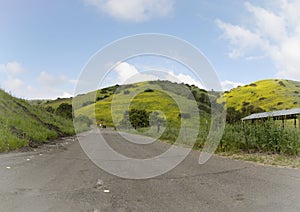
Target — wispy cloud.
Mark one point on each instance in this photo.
(228, 85)
(134, 10)
(13, 84)
(127, 73)
(47, 79)
(14, 80)
(272, 32)
(183, 78)
(12, 68)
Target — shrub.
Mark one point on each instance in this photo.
(64, 110)
(149, 90)
(49, 109)
(126, 92)
(262, 98)
(281, 84)
(245, 104)
(99, 98)
(87, 103)
(136, 118)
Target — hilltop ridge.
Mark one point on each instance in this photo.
(269, 95)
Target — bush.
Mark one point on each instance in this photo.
(148, 90)
(64, 110)
(99, 98)
(281, 84)
(262, 98)
(126, 92)
(137, 118)
(87, 103)
(49, 109)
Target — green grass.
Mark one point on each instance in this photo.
(150, 101)
(273, 94)
(23, 124)
(261, 137)
(267, 94)
(264, 158)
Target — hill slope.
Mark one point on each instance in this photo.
(273, 94)
(151, 96)
(22, 124)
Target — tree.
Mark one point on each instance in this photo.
(233, 115)
(139, 118)
(49, 109)
(64, 110)
(136, 118)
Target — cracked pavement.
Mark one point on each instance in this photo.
(60, 177)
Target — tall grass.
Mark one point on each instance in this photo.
(267, 137)
(22, 124)
(9, 141)
(262, 137)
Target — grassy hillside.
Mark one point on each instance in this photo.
(273, 94)
(166, 97)
(23, 124)
(156, 99)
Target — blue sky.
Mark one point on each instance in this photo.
(45, 44)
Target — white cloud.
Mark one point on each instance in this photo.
(12, 68)
(134, 10)
(241, 40)
(128, 73)
(228, 85)
(50, 80)
(272, 32)
(183, 78)
(50, 86)
(14, 80)
(13, 84)
(66, 95)
(125, 70)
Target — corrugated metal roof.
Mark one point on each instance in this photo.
(273, 114)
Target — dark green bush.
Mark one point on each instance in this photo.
(149, 90)
(64, 110)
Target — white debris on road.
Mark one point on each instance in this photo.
(99, 182)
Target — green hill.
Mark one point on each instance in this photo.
(22, 124)
(269, 95)
(151, 96)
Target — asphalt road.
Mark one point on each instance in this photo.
(60, 177)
